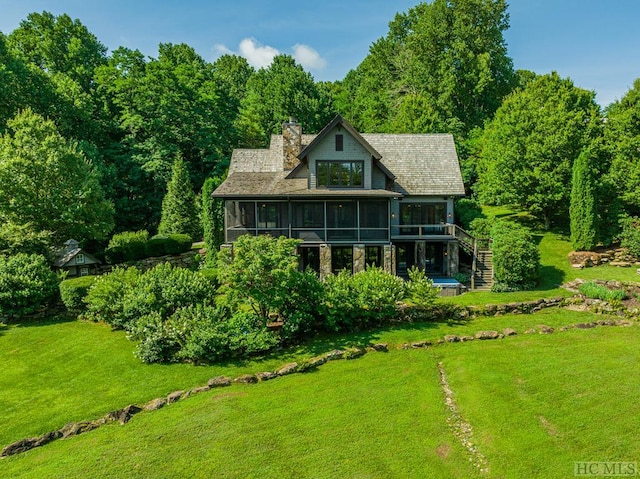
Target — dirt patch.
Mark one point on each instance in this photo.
(443, 450)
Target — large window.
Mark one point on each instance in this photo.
(340, 174)
(422, 218)
(342, 220)
(374, 220)
(341, 258)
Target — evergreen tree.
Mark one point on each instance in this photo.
(212, 217)
(583, 210)
(178, 205)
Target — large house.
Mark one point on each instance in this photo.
(354, 199)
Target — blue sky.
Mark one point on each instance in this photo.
(593, 42)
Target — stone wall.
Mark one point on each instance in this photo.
(614, 257)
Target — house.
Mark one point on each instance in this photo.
(75, 260)
(354, 199)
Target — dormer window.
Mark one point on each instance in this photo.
(340, 174)
(339, 142)
(80, 258)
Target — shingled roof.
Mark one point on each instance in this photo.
(422, 164)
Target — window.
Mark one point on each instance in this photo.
(373, 256)
(341, 174)
(341, 258)
(80, 258)
(339, 143)
(84, 271)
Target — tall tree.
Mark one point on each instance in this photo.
(48, 184)
(443, 66)
(212, 217)
(622, 138)
(59, 45)
(274, 94)
(178, 207)
(531, 144)
(582, 209)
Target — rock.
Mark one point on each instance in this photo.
(530, 331)
(464, 339)
(404, 346)
(287, 369)
(155, 404)
(246, 379)
(353, 353)
(174, 396)
(620, 264)
(585, 325)
(420, 344)
(333, 355)
(624, 322)
(266, 375)
(487, 335)
(219, 382)
(199, 389)
(543, 329)
(75, 428)
(380, 347)
(451, 338)
(128, 412)
(577, 266)
(509, 332)
(19, 446)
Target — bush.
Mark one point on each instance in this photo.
(365, 299)
(26, 284)
(630, 236)
(106, 297)
(481, 227)
(161, 245)
(516, 259)
(598, 291)
(467, 210)
(298, 302)
(123, 296)
(200, 333)
(127, 246)
(422, 292)
(74, 290)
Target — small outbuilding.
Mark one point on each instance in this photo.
(75, 260)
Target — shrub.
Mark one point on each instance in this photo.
(161, 245)
(106, 297)
(126, 246)
(516, 259)
(74, 290)
(298, 301)
(365, 299)
(422, 292)
(630, 236)
(467, 210)
(26, 284)
(599, 291)
(200, 333)
(481, 227)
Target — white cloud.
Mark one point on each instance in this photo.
(258, 56)
(221, 49)
(308, 57)
(261, 56)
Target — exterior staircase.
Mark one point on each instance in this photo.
(479, 249)
(482, 279)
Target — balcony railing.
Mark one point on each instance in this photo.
(421, 231)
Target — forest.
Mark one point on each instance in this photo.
(91, 138)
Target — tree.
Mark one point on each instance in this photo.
(46, 183)
(26, 284)
(59, 45)
(582, 210)
(622, 138)
(257, 270)
(443, 66)
(274, 94)
(179, 207)
(212, 217)
(530, 146)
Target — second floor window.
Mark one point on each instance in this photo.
(340, 174)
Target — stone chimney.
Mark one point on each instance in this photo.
(291, 143)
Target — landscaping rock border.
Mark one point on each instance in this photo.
(124, 415)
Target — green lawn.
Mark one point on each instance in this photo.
(537, 403)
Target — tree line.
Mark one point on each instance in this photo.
(91, 139)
